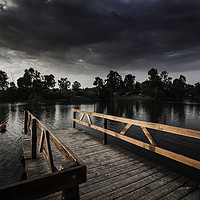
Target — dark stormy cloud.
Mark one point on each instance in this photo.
(82, 39)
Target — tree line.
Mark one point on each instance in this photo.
(34, 86)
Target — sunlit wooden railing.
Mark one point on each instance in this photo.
(65, 179)
(152, 145)
(46, 136)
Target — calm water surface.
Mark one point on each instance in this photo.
(184, 114)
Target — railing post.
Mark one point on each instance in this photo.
(71, 193)
(73, 122)
(49, 153)
(33, 139)
(104, 134)
(25, 121)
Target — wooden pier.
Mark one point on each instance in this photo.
(112, 172)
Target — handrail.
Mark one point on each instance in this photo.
(67, 179)
(152, 145)
(46, 134)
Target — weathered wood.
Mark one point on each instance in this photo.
(49, 153)
(35, 170)
(34, 139)
(149, 136)
(193, 195)
(25, 121)
(37, 187)
(146, 185)
(181, 191)
(39, 124)
(71, 193)
(73, 122)
(165, 189)
(105, 191)
(125, 129)
(29, 121)
(89, 119)
(66, 153)
(178, 157)
(115, 166)
(126, 175)
(82, 117)
(114, 172)
(104, 134)
(69, 164)
(160, 127)
(41, 142)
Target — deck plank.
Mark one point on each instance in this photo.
(142, 187)
(181, 191)
(195, 195)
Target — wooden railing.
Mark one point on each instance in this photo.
(152, 145)
(67, 179)
(46, 136)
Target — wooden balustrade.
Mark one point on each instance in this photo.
(47, 135)
(67, 179)
(152, 145)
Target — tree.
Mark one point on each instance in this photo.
(154, 84)
(12, 85)
(30, 79)
(153, 75)
(48, 81)
(166, 83)
(129, 82)
(20, 82)
(76, 86)
(145, 87)
(64, 84)
(27, 78)
(197, 89)
(138, 87)
(178, 87)
(165, 77)
(3, 80)
(114, 82)
(98, 82)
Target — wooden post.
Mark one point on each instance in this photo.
(34, 139)
(25, 121)
(73, 122)
(104, 134)
(71, 193)
(49, 153)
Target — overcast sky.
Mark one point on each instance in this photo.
(82, 39)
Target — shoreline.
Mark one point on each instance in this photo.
(86, 100)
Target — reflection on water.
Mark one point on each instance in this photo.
(179, 113)
(58, 116)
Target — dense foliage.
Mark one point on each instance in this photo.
(34, 86)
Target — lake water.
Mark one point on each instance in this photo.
(184, 114)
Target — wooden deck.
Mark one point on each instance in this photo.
(112, 172)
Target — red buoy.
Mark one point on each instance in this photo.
(2, 127)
